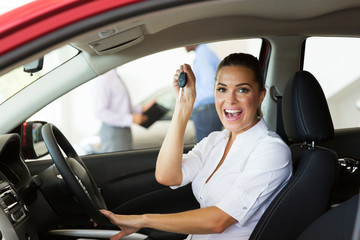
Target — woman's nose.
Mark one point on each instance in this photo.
(231, 97)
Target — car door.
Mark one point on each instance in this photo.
(127, 181)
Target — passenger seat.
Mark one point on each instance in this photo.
(306, 197)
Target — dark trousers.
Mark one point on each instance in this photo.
(115, 138)
(206, 120)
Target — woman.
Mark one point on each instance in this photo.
(235, 173)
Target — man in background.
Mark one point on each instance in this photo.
(114, 109)
(204, 114)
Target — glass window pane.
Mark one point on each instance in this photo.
(74, 113)
(335, 64)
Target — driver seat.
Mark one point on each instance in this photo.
(306, 120)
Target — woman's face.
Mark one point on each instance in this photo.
(237, 97)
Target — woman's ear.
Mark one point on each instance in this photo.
(262, 96)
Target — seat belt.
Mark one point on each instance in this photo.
(279, 120)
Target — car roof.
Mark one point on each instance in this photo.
(38, 18)
(199, 21)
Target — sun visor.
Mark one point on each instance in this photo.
(113, 41)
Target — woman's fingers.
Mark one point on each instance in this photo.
(95, 224)
(118, 236)
(189, 72)
(109, 215)
(189, 90)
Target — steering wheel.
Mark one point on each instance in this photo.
(74, 173)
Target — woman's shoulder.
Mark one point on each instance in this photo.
(272, 137)
(272, 148)
(272, 141)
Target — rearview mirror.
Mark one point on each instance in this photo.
(33, 145)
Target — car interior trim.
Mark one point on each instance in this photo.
(92, 233)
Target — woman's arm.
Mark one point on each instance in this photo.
(200, 221)
(168, 165)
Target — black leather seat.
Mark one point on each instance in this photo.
(336, 224)
(306, 120)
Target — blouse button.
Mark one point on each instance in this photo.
(244, 208)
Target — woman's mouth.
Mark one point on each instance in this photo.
(232, 114)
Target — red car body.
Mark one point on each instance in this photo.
(44, 16)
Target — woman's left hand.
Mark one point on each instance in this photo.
(127, 223)
(189, 93)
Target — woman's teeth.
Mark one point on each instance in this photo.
(232, 114)
(232, 111)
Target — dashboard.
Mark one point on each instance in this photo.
(15, 221)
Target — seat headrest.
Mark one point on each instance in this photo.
(306, 115)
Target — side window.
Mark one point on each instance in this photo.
(144, 79)
(335, 63)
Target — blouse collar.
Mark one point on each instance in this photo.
(250, 135)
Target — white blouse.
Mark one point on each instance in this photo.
(257, 166)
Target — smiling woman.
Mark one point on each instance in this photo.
(234, 173)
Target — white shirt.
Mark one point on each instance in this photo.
(112, 101)
(257, 166)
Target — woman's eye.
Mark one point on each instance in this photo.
(243, 90)
(221, 89)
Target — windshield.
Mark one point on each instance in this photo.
(17, 79)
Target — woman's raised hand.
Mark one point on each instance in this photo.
(188, 92)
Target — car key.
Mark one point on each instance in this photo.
(181, 82)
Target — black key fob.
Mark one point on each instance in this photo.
(182, 80)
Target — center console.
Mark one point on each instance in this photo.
(10, 203)
(14, 220)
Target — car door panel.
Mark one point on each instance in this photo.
(128, 184)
